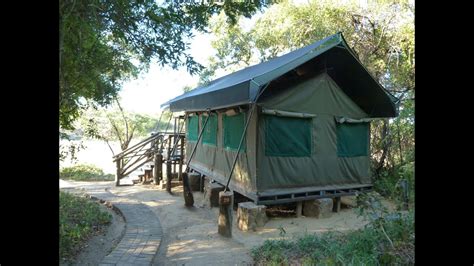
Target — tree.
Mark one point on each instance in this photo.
(115, 124)
(381, 34)
(105, 42)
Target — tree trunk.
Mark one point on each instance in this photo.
(386, 142)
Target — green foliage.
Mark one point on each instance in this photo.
(387, 239)
(85, 172)
(103, 43)
(69, 149)
(79, 218)
(117, 124)
(390, 184)
(382, 36)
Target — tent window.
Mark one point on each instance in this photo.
(192, 128)
(352, 139)
(233, 129)
(209, 135)
(287, 136)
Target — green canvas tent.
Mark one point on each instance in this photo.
(309, 135)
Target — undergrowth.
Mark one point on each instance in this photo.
(85, 172)
(79, 218)
(387, 239)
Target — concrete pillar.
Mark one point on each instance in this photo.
(194, 181)
(226, 201)
(319, 208)
(251, 216)
(213, 190)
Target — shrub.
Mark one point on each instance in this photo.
(85, 172)
(387, 239)
(79, 218)
(388, 185)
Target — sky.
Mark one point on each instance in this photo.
(160, 84)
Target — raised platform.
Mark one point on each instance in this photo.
(277, 197)
(287, 195)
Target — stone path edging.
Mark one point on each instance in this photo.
(143, 232)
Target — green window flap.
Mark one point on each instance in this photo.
(352, 139)
(209, 135)
(233, 130)
(287, 136)
(192, 128)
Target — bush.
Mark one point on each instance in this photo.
(387, 239)
(79, 218)
(388, 185)
(85, 172)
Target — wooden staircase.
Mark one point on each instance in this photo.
(166, 147)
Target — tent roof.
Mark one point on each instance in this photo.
(243, 86)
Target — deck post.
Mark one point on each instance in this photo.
(188, 194)
(118, 175)
(337, 204)
(181, 159)
(299, 209)
(226, 202)
(168, 176)
(158, 167)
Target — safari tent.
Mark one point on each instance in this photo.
(308, 134)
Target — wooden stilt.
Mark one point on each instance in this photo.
(226, 202)
(158, 175)
(118, 175)
(188, 194)
(337, 204)
(181, 158)
(168, 176)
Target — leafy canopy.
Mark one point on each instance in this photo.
(382, 35)
(105, 42)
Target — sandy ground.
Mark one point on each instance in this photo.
(190, 234)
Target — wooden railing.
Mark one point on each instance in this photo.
(161, 147)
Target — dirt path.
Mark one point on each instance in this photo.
(190, 234)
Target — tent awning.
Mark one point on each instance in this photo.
(243, 86)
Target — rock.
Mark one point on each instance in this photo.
(212, 193)
(319, 208)
(194, 181)
(251, 216)
(349, 201)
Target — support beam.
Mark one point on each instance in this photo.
(336, 207)
(188, 194)
(299, 209)
(226, 202)
(181, 159)
(118, 175)
(158, 168)
(168, 176)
